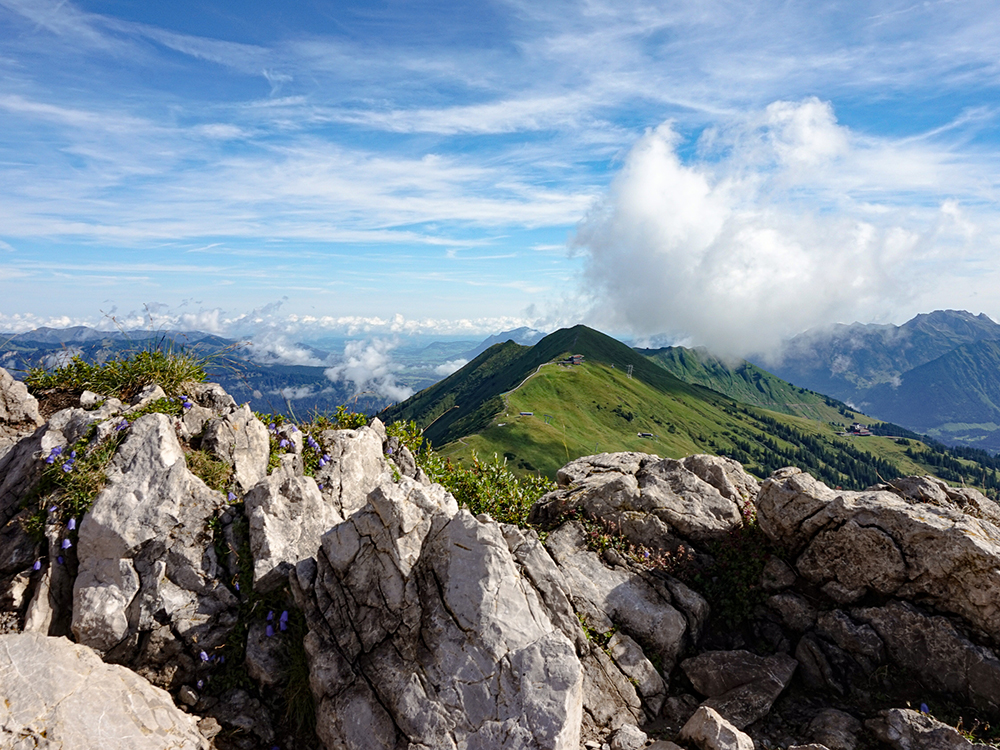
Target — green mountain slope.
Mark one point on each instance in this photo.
(954, 398)
(466, 401)
(597, 406)
(745, 382)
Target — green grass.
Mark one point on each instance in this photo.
(745, 382)
(594, 408)
(125, 377)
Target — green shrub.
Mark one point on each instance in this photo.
(488, 486)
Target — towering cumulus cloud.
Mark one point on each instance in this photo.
(784, 221)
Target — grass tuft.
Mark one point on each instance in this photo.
(125, 377)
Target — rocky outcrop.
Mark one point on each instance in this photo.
(852, 544)
(19, 415)
(57, 694)
(238, 438)
(422, 632)
(740, 686)
(698, 498)
(422, 626)
(146, 555)
(708, 730)
(904, 729)
(288, 515)
(353, 466)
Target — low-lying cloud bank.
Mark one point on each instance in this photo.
(784, 221)
(368, 365)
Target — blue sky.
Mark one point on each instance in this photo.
(720, 172)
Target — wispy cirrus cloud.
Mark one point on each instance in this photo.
(338, 156)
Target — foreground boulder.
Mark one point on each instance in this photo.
(851, 544)
(699, 498)
(18, 411)
(424, 635)
(147, 560)
(58, 694)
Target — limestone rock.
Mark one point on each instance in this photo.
(854, 543)
(241, 440)
(938, 492)
(355, 467)
(609, 698)
(146, 555)
(834, 730)
(212, 396)
(59, 694)
(615, 595)
(21, 466)
(19, 415)
(238, 710)
(17, 406)
(587, 466)
(741, 686)
(265, 654)
(628, 655)
(699, 498)
(709, 731)
(422, 631)
(288, 515)
(933, 648)
(904, 729)
(547, 580)
(628, 737)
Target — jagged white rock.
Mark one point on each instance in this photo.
(58, 694)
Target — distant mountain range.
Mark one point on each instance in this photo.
(938, 373)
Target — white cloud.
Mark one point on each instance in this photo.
(273, 348)
(787, 220)
(449, 367)
(369, 367)
(295, 393)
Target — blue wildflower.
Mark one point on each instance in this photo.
(282, 626)
(270, 615)
(272, 427)
(67, 467)
(60, 560)
(231, 496)
(321, 488)
(66, 544)
(270, 631)
(203, 656)
(284, 616)
(283, 443)
(924, 709)
(237, 586)
(53, 508)
(72, 454)
(37, 565)
(71, 524)
(123, 425)
(201, 684)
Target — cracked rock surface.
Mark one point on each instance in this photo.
(57, 694)
(424, 635)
